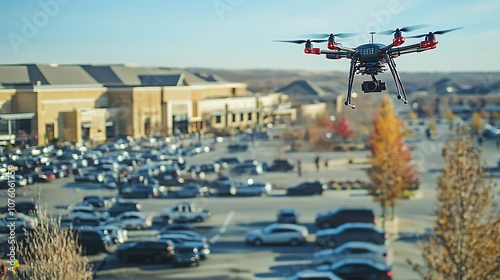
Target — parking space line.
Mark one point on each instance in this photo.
(223, 228)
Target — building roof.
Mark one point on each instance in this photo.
(302, 88)
(23, 75)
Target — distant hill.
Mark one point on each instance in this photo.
(268, 80)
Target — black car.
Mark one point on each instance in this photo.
(237, 147)
(25, 207)
(123, 206)
(93, 241)
(140, 191)
(307, 188)
(186, 255)
(342, 215)
(153, 250)
(281, 165)
(358, 268)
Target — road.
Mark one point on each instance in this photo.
(232, 217)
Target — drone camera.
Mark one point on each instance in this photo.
(371, 86)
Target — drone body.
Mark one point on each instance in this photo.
(372, 58)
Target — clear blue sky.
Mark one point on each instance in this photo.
(238, 34)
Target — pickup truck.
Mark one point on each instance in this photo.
(184, 212)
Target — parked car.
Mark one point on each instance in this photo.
(307, 188)
(352, 249)
(203, 247)
(282, 165)
(117, 234)
(132, 220)
(287, 216)
(254, 189)
(358, 268)
(186, 255)
(79, 213)
(177, 226)
(123, 206)
(93, 241)
(25, 207)
(140, 191)
(342, 215)
(252, 168)
(154, 250)
(191, 190)
(366, 232)
(237, 147)
(182, 236)
(278, 234)
(19, 221)
(313, 275)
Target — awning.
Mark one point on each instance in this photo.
(88, 125)
(17, 116)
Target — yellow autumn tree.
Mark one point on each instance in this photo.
(390, 159)
(477, 122)
(412, 116)
(466, 239)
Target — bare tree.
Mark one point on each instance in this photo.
(466, 239)
(50, 251)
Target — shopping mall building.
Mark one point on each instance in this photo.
(75, 103)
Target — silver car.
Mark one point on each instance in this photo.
(17, 222)
(278, 234)
(354, 249)
(132, 220)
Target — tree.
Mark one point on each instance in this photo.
(390, 159)
(477, 122)
(344, 128)
(466, 239)
(495, 116)
(412, 116)
(52, 252)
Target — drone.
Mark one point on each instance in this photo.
(371, 59)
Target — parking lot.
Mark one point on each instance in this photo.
(232, 217)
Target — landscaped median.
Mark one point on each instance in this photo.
(363, 185)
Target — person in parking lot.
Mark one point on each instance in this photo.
(299, 168)
(316, 161)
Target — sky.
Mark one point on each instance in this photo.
(239, 34)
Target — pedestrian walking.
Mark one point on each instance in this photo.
(316, 162)
(326, 163)
(299, 168)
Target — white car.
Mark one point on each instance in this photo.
(313, 275)
(278, 234)
(354, 249)
(82, 212)
(132, 220)
(19, 220)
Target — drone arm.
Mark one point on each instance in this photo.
(408, 49)
(341, 53)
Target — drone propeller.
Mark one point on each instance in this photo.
(326, 35)
(404, 29)
(436, 32)
(300, 41)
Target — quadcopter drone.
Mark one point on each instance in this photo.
(370, 59)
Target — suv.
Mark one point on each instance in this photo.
(93, 241)
(342, 215)
(281, 165)
(278, 234)
(155, 250)
(289, 216)
(122, 207)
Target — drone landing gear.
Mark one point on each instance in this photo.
(350, 105)
(348, 101)
(397, 79)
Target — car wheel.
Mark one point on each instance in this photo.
(326, 225)
(294, 242)
(257, 242)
